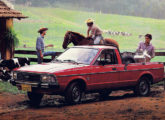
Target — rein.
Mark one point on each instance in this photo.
(70, 39)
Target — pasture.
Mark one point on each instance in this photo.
(60, 20)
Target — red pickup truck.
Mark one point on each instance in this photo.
(86, 69)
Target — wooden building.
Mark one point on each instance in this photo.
(7, 15)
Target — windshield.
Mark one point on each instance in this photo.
(78, 55)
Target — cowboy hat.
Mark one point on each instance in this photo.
(42, 29)
(89, 21)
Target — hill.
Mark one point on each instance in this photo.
(60, 20)
(143, 8)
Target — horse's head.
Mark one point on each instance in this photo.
(72, 37)
(67, 39)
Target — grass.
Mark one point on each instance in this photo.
(60, 20)
(7, 87)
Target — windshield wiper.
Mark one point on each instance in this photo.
(56, 60)
(72, 61)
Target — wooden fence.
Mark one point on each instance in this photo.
(29, 52)
(160, 54)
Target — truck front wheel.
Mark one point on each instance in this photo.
(35, 98)
(73, 93)
(143, 87)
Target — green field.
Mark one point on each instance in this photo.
(60, 20)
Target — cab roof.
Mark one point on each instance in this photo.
(95, 47)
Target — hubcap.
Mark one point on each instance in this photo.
(143, 87)
(76, 94)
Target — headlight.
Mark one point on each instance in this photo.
(14, 75)
(48, 79)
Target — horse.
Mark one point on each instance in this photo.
(79, 39)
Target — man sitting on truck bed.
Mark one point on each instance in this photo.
(147, 46)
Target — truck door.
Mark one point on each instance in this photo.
(105, 72)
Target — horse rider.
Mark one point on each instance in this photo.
(146, 45)
(94, 32)
(40, 46)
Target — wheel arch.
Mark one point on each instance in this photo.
(149, 76)
(81, 82)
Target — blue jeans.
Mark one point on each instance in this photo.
(48, 53)
(97, 39)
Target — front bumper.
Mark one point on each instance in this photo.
(34, 84)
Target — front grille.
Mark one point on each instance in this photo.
(28, 77)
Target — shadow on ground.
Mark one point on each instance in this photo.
(57, 101)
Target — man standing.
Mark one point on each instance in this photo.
(147, 46)
(94, 31)
(40, 46)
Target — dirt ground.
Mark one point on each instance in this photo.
(121, 105)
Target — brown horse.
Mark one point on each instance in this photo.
(79, 39)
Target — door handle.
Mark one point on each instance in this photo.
(114, 69)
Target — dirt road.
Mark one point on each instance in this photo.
(119, 106)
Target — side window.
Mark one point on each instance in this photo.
(107, 57)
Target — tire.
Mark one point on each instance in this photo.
(73, 93)
(143, 87)
(35, 98)
(104, 94)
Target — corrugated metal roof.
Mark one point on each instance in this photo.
(7, 12)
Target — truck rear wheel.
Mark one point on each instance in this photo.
(73, 93)
(35, 98)
(143, 87)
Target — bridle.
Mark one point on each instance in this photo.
(70, 39)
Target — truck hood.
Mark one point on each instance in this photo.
(50, 67)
